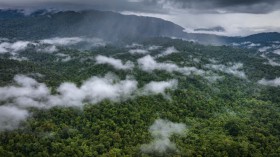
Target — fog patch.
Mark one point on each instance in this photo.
(168, 51)
(232, 69)
(161, 131)
(47, 49)
(214, 78)
(7, 47)
(17, 58)
(154, 47)
(66, 59)
(85, 43)
(272, 63)
(63, 57)
(62, 41)
(116, 63)
(148, 64)
(95, 42)
(26, 92)
(11, 116)
(159, 87)
(213, 61)
(134, 45)
(138, 51)
(277, 52)
(273, 83)
(94, 90)
(251, 45)
(264, 49)
(29, 93)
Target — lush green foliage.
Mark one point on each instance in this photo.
(230, 117)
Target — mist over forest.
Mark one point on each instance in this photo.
(102, 79)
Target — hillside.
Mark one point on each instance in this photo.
(106, 25)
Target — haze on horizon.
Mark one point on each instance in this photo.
(236, 17)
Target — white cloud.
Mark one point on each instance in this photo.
(138, 51)
(272, 63)
(168, 51)
(148, 64)
(67, 41)
(48, 49)
(10, 117)
(95, 42)
(274, 83)
(30, 93)
(233, 69)
(213, 78)
(253, 45)
(264, 49)
(27, 92)
(161, 131)
(116, 63)
(7, 47)
(153, 47)
(18, 58)
(62, 41)
(134, 45)
(277, 52)
(160, 87)
(63, 57)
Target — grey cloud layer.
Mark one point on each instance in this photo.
(251, 6)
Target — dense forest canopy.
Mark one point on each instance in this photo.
(79, 96)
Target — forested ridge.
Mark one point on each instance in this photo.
(225, 107)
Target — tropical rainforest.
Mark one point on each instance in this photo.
(156, 97)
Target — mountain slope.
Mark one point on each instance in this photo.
(106, 25)
(109, 26)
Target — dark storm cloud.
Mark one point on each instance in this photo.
(243, 6)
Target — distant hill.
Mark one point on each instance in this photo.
(109, 26)
(212, 29)
(106, 25)
(262, 37)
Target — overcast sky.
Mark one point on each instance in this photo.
(238, 17)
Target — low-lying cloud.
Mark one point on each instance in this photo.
(52, 43)
(273, 83)
(138, 51)
(11, 117)
(269, 61)
(62, 41)
(149, 64)
(277, 52)
(232, 69)
(116, 63)
(27, 92)
(30, 93)
(161, 131)
(8, 47)
(160, 87)
(168, 51)
(153, 47)
(272, 62)
(48, 45)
